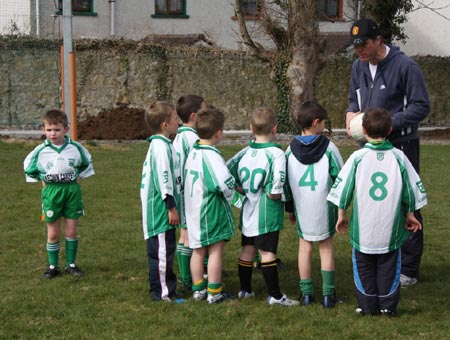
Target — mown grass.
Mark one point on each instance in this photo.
(112, 301)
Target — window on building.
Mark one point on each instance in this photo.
(170, 8)
(80, 7)
(330, 9)
(251, 8)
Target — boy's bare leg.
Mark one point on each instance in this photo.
(305, 250)
(326, 254)
(328, 272)
(215, 252)
(197, 268)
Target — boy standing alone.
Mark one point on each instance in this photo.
(386, 190)
(160, 199)
(59, 163)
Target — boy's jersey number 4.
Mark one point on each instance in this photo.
(308, 178)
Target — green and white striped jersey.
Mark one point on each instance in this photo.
(260, 169)
(159, 179)
(62, 164)
(183, 144)
(309, 185)
(384, 187)
(208, 190)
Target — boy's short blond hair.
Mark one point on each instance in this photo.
(263, 120)
(158, 113)
(208, 121)
(55, 116)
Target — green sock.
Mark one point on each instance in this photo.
(214, 288)
(53, 253)
(306, 287)
(180, 263)
(328, 287)
(185, 268)
(71, 250)
(199, 285)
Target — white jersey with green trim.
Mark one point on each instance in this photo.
(183, 144)
(58, 164)
(309, 185)
(159, 179)
(260, 169)
(208, 190)
(384, 186)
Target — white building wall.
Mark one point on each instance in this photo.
(428, 30)
(14, 17)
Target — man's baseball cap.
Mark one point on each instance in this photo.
(362, 30)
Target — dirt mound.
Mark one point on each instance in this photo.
(118, 123)
(126, 123)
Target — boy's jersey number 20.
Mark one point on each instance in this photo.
(256, 177)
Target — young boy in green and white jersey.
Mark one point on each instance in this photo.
(386, 191)
(187, 107)
(208, 191)
(59, 163)
(160, 200)
(260, 173)
(313, 162)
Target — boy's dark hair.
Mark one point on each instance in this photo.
(263, 120)
(377, 122)
(158, 113)
(208, 121)
(188, 104)
(306, 112)
(55, 116)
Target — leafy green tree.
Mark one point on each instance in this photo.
(390, 15)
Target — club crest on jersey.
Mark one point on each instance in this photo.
(420, 187)
(71, 161)
(49, 165)
(165, 177)
(230, 183)
(254, 153)
(380, 156)
(283, 176)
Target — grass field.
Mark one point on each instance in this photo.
(112, 300)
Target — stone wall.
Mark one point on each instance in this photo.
(116, 72)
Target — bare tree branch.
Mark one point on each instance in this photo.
(259, 51)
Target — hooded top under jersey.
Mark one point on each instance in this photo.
(313, 163)
(398, 87)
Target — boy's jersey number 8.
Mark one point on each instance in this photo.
(378, 191)
(245, 175)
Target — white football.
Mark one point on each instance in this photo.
(356, 129)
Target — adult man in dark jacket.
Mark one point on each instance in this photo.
(385, 77)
